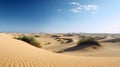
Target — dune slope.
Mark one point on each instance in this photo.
(15, 53)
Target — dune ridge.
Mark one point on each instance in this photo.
(16, 53)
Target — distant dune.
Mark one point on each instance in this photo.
(16, 53)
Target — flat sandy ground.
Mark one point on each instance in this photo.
(16, 53)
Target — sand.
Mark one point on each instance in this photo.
(16, 53)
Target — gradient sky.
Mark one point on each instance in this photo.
(60, 16)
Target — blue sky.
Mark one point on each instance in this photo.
(60, 16)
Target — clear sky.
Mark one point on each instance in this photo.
(60, 16)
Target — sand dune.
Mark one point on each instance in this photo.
(15, 53)
(112, 40)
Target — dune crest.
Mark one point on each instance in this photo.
(16, 53)
(4, 35)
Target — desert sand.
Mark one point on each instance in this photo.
(16, 53)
